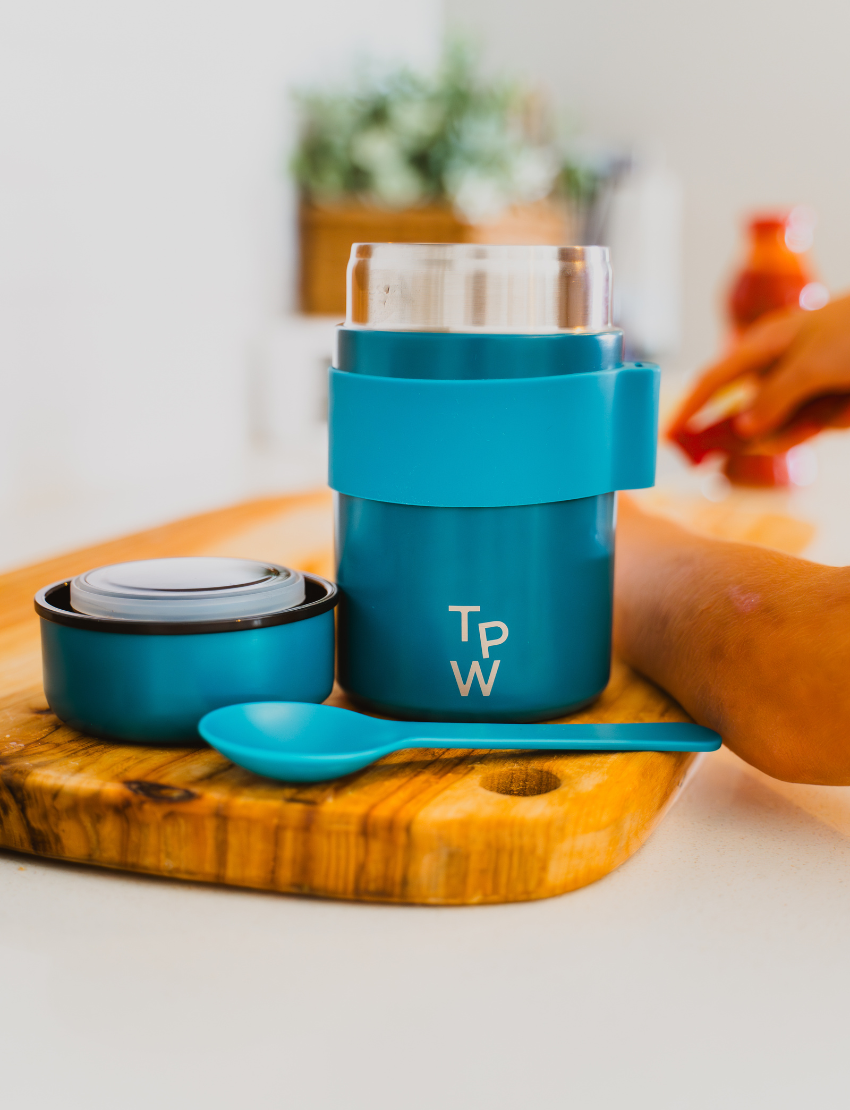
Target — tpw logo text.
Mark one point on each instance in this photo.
(486, 643)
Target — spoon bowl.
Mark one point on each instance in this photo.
(303, 742)
(288, 740)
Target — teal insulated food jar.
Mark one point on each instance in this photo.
(481, 420)
(140, 651)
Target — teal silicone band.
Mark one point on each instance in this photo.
(507, 441)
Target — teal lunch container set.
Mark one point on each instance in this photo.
(481, 421)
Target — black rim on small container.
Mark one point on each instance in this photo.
(53, 603)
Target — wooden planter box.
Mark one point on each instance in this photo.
(327, 232)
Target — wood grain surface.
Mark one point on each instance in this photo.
(420, 826)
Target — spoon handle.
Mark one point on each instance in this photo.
(668, 736)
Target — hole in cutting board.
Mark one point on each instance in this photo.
(522, 781)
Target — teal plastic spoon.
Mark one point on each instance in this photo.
(301, 742)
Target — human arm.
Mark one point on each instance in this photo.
(752, 643)
(797, 356)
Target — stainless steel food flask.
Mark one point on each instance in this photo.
(481, 420)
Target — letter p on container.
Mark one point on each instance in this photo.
(487, 644)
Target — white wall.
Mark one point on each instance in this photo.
(146, 241)
(748, 100)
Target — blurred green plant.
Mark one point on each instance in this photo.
(402, 138)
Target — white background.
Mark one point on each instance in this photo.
(147, 242)
(146, 223)
(745, 100)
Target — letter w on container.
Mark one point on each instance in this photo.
(475, 672)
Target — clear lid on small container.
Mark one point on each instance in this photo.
(187, 589)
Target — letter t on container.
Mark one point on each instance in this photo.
(464, 611)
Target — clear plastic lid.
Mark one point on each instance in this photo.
(189, 589)
(478, 287)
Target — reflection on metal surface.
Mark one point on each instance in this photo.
(478, 287)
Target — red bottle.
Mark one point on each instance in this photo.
(773, 276)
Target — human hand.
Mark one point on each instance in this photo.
(796, 356)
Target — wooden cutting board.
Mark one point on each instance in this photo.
(420, 826)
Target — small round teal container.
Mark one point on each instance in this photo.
(143, 681)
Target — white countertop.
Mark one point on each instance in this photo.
(711, 970)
